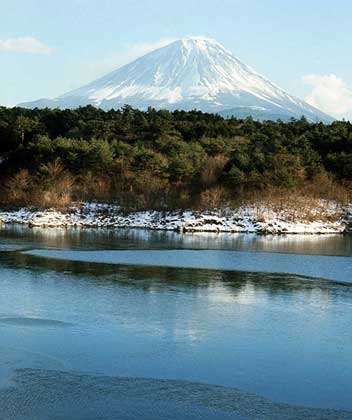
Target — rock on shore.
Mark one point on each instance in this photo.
(250, 219)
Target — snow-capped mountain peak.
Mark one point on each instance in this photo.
(193, 72)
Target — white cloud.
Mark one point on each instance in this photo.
(126, 54)
(25, 44)
(330, 94)
(137, 50)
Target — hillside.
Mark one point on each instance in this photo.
(167, 160)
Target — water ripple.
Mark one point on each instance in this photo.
(78, 396)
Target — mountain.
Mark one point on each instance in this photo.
(191, 73)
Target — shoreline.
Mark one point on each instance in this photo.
(257, 219)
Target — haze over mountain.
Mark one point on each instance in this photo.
(191, 73)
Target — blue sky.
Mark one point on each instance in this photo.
(49, 47)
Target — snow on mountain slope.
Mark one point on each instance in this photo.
(187, 74)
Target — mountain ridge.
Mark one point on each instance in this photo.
(190, 73)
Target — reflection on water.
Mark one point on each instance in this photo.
(146, 239)
(273, 337)
(327, 267)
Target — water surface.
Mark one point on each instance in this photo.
(81, 339)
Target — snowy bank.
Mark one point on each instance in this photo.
(249, 219)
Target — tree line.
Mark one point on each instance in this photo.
(162, 159)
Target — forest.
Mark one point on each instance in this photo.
(157, 159)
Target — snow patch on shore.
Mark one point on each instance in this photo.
(248, 219)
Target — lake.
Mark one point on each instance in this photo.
(99, 324)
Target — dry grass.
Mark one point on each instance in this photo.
(325, 202)
(212, 170)
(321, 199)
(212, 198)
(16, 190)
